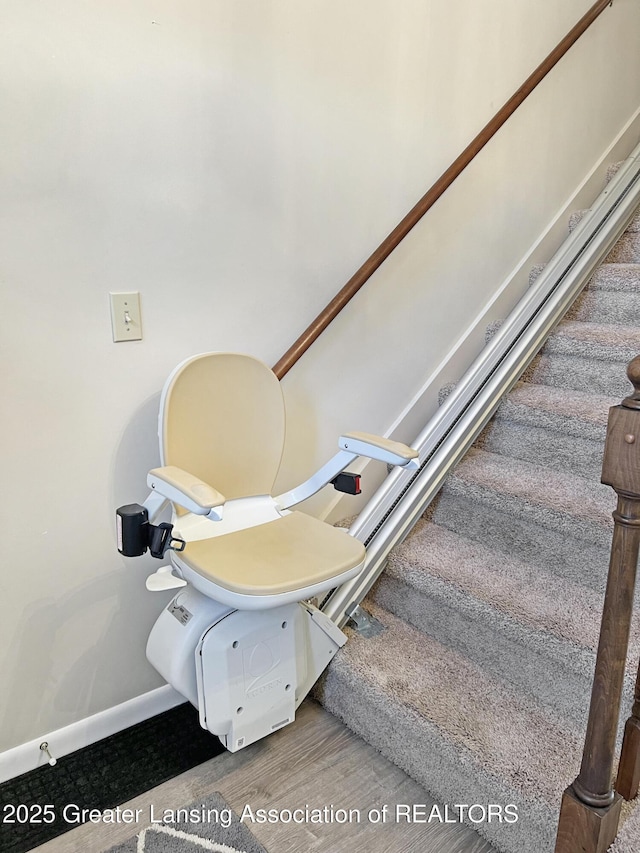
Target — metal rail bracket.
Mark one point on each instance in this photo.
(365, 624)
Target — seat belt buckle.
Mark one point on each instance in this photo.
(347, 482)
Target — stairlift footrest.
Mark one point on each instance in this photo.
(164, 579)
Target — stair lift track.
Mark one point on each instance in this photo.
(403, 497)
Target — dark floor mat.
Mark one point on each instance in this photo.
(102, 775)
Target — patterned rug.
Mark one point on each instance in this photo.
(206, 825)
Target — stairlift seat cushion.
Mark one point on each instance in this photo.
(293, 552)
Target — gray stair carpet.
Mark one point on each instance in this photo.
(479, 685)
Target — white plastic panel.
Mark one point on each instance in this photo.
(175, 635)
(246, 670)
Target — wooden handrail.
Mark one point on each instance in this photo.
(313, 331)
(590, 809)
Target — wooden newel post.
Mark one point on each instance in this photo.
(628, 780)
(629, 767)
(590, 808)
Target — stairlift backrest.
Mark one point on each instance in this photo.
(222, 419)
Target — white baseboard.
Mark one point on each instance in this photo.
(29, 756)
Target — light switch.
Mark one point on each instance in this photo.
(125, 316)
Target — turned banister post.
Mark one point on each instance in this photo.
(590, 808)
(628, 780)
(594, 783)
(629, 768)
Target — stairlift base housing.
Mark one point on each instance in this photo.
(245, 671)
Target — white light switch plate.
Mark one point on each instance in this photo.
(125, 316)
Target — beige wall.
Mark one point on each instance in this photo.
(235, 161)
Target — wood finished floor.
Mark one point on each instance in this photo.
(315, 761)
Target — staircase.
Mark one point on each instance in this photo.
(479, 685)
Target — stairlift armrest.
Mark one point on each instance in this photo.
(185, 489)
(325, 475)
(382, 449)
(352, 444)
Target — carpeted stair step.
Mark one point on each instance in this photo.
(492, 329)
(612, 170)
(446, 391)
(612, 296)
(588, 357)
(535, 272)
(532, 630)
(465, 736)
(544, 516)
(627, 249)
(552, 427)
(616, 278)
(558, 499)
(577, 216)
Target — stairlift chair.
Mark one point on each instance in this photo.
(241, 640)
